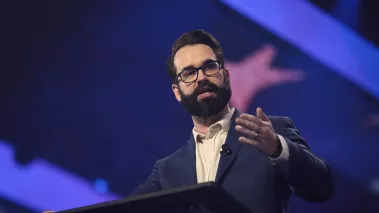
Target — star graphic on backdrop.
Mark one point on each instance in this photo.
(372, 120)
(255, 73)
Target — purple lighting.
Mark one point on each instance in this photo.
(43, 186)
(101, 186)
(319, 35)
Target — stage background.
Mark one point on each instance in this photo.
(87, 108)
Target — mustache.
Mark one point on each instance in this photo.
(205, 86)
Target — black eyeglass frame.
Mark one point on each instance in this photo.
(221, 66)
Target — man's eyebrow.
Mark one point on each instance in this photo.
(204, 62)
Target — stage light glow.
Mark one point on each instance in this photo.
(101, 185)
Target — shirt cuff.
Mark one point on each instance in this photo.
(283, 157)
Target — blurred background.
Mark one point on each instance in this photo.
(87, 108)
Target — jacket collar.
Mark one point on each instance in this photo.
(187, 158)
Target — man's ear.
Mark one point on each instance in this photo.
(175, 89)
(227, 72)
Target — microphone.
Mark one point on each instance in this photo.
(225, 150)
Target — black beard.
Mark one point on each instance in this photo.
(208, 106)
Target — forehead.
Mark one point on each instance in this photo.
(193, 55)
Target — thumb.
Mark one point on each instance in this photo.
(262, 115)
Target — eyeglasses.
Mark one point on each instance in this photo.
(190, 74)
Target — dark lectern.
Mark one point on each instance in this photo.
(200, 198)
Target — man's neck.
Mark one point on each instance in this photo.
(201, 124)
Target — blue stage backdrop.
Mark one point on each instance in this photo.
(87, 107)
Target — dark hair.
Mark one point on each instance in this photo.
(191, 38)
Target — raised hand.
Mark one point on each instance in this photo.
(258, 132)
(254, 74)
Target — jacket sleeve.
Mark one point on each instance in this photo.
(309, 176)
(152, 184)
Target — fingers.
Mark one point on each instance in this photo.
(248, 141)
(48, 212)
(249, 124)
(252, 119)
(262, 115)
(253, 123)
(248, 132)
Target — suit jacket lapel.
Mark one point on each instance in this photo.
(234, 145)
(185, 164)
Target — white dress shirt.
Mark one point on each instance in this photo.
(208, 148)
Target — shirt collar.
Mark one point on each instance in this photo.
(224, 123)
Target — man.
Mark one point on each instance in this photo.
(268, 158)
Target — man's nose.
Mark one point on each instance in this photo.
(201, 76)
